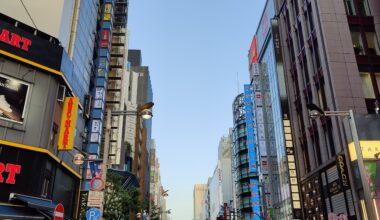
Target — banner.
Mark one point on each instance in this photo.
(250, 132)
(68, 121)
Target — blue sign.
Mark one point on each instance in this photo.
(93, 214)
(254, 184)
(250, 134)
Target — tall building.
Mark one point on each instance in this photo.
(198, 195)
(140, 92)
(331, 59)
(242, 175)
(273, 132)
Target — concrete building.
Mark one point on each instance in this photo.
(200, 190)
(331, 58)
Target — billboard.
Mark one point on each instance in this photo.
(18, 41)
(250, 132)
(13, 98)
(253, 51)
(68, 121)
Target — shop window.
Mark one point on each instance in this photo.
(367, 85)
(53, 135)
(364, 8)
(373, 45)
(350, 7)
(357, 43)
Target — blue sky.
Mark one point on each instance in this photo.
(194, 50)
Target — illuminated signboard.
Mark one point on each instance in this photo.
(250, 133)
(13, 98)
(68, 120)
(11, 170)
(370, 150)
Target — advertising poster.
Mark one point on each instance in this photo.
(13, 96)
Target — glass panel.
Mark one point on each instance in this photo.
(377, 75)
(367, 85)
(350, 8)
(373, 45)
(357, 43)
(364, 8)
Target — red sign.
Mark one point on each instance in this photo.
(105, 38)
(253, 51)
(12, 170)
(15, 40)
(97, 184)
(59, 212)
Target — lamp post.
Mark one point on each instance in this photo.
(144, 111)
(316, 112)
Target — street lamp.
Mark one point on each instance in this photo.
(316, 112)
(144, 111)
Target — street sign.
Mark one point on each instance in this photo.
(78, 159)
(59, 212)
(93, 214)
(97, 184)
(95, 199)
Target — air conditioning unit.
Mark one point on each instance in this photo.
(61, 93)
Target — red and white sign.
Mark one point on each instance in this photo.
(97, 184)
(95, 198)
(59, 212)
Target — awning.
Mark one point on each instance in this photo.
(17, 212)
(33, 202)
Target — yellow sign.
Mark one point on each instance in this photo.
(107, 17)
(370, 150)
(68, 121)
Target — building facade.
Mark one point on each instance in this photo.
(38, 121)
(278, 174)
(242, 174)
(331, 59)
(200, 190)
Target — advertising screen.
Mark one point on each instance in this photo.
(13, 96)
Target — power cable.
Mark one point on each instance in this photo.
(28, 14)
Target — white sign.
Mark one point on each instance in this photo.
(95, 198)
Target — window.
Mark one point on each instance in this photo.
(377, 75)
(373, 45)
(367, 85)
(350, 7)
(364, 8)
(357, 43)
(53, 135)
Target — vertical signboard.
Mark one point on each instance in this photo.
(68, 121)
(249, 123)
(294, 189)
(254, 183)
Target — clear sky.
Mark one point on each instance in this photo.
(194, 50)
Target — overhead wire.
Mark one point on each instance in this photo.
(28, 14)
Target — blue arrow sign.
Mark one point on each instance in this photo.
(93, 214)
